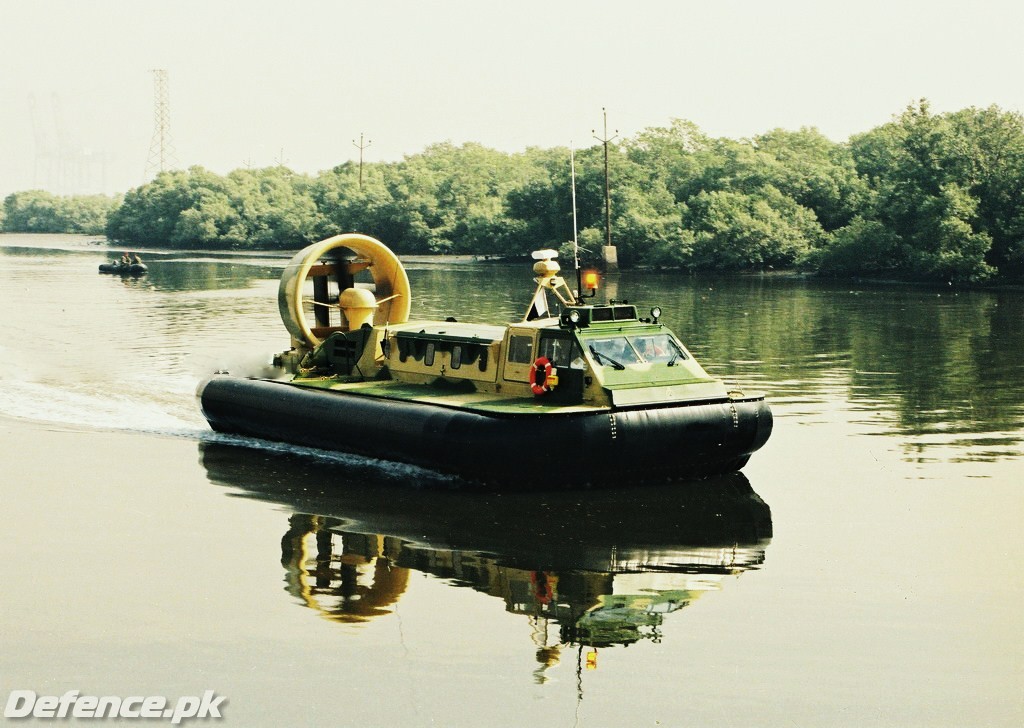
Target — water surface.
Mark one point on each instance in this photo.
(864, 569)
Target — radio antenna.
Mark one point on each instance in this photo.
(575, 238)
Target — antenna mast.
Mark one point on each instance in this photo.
(575, 237)
(161, 150)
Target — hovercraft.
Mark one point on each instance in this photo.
(574, 394)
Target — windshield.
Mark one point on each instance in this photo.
(659, 347)
(614, 351)
(621, 351)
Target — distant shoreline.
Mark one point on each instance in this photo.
(91, 242)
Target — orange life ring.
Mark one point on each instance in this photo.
(550, 377)
(542, 590)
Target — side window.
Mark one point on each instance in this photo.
(456, 356)
(428, 357)
(520, 349)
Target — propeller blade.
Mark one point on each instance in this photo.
(320, 303)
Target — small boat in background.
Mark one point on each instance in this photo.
(132, 269)
(129, 265)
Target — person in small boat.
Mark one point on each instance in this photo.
(136, 260)
(125, 260)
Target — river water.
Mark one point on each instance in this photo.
(865, 569)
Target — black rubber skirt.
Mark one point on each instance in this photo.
(549, 450)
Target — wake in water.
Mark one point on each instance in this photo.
(149, 391)
(166, 407)
(127, 412)
(82, 352)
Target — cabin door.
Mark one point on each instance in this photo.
(520, 348)
(564, 353)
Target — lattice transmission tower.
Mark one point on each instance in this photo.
(161, 150)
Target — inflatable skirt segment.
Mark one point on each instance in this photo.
(513, 451)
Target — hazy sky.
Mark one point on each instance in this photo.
(259, 82)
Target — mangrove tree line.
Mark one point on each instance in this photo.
(925, 196)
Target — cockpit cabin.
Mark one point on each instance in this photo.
(590, 355)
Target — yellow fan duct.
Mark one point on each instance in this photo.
(337, 260)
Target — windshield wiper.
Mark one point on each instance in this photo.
(599, 356)
(677, 354)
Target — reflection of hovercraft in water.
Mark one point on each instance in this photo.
(605, 566)
(593, 394)
(354, 584)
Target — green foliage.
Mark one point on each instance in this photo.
(740, 231)
(864, 247)
(946, 189)
(36, 211)
(742, 205)
(816, 173)
(538, 206)
(989, 154)
(268, 208)
(926, 196)
(676, 155)
(450, 199)
(155, 213)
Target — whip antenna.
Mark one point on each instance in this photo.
(575, 240)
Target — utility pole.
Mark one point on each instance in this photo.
(610, 255)
(360, 146)
(161, 150)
